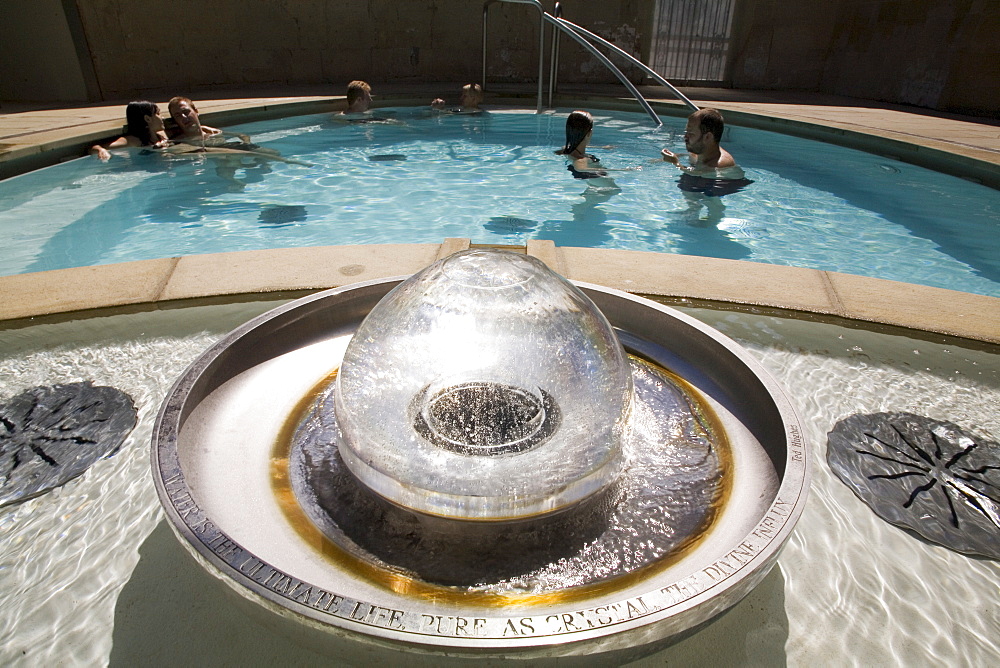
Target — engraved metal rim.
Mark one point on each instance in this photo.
(658, 608)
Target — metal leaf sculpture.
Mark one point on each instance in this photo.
(925, 475)
(50, 435)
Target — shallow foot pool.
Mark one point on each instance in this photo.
(90, 573)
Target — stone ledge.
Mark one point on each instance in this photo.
(83, 288)
(168, 282)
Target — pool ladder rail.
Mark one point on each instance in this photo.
(587, 40)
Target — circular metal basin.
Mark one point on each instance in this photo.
(221, 474)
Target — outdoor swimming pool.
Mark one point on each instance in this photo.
(494, 178)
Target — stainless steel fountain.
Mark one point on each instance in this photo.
(483, 459)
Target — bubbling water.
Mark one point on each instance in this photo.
(487, 418)
(666, 499)
(528, 454)
(484, 388)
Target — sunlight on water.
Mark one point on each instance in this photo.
(494, 178)
(67, 554)
(858, 588)
(847, 585)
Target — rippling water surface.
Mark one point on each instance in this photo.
(90, 575)
(493, 178)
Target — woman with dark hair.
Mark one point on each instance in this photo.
(579, 129)
(144, 127)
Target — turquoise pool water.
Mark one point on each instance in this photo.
(494, 178)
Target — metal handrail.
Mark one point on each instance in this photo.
(632, 59)
(554, 60)
(541, 42)
(607, 63)
(580, 35)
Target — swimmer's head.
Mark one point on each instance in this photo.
(709, 121)
(472, 95)
(579, 124)
(359, 92)
(184, 113)
(140, 115)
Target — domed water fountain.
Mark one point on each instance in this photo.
(482, 459)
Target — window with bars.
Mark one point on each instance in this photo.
(691, 39)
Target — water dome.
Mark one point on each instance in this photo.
(485, 387)
(482, 459)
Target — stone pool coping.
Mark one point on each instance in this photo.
(292, 272)
(955, 145)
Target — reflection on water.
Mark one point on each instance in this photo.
(704, 213)
(708, 187)
(811, 204)
(90, 575)
(589, 219)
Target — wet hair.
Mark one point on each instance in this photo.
(176, 101)
(475, 90)
(355, 89)
(710, 120)
(578, 124)
(135, 119)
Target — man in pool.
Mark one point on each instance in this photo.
(712, 173)
(359, 101)
(471, 98)
(231, 151)
(187, 124)
(359, 97)
(701, 138)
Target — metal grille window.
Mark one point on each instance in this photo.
(691, 40)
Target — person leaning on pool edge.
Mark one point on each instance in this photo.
(144, 127)
(701, 138)
(471, 98)
(185, 117)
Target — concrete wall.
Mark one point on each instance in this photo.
(146, 49)
(941, 54)
(38, 58)
(626, 23)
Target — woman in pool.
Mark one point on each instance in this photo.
(144, 127)
(579, 129)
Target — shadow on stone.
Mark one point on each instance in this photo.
(172, 612)
(751, 633)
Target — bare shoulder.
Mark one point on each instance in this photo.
(129, 140)
(725, 159)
